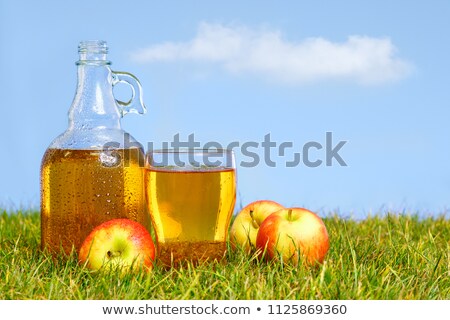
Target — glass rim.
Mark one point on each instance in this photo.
(190, 159)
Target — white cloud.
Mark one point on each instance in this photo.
(238, 49)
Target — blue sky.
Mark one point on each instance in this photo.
(374, 73)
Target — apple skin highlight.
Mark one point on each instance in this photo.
(293, 235)
(245, 227)
(118, 243)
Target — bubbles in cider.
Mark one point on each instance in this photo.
(81, 189)
(191, 212)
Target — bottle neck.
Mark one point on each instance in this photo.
(94, 105)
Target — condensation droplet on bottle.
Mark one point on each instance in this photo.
(109, 158)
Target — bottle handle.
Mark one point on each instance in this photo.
(136, 103)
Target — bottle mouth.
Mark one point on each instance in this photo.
(93, 46)
(93, 52)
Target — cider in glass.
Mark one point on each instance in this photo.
(190, 208)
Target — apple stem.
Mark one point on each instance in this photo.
(255, 224)
(290, 214)
(113, 254)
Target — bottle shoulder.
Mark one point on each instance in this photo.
(94, 139)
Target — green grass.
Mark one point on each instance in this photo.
(389, 257)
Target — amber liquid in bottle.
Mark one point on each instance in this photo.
(83, 188)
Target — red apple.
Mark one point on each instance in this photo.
(293, 235)
(246, 224)
(118, 243)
